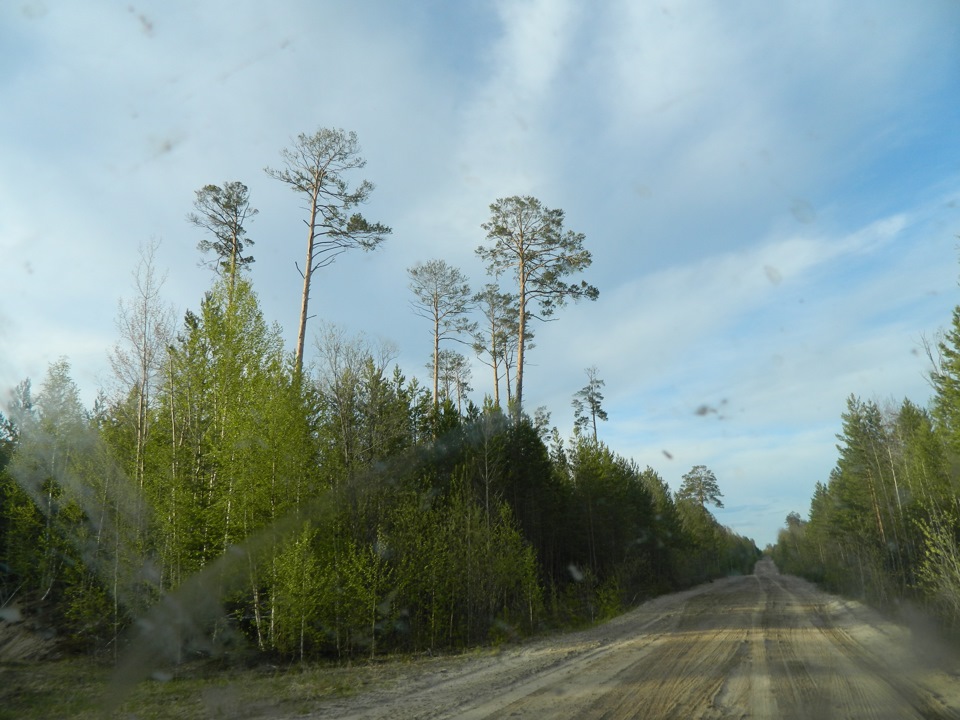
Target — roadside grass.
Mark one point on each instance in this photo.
(80, 688)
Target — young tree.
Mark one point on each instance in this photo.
(700, 485)
(442, 296)
(529, 240)
(453, 373)
(360, 415)
(82, 521)
(222, 212)
(705, 537)
(498, 337)
(586, 403)
(666, 529)
(145, 326)
(612, 510)
(315, 168)
(510, 357)
(234, 450)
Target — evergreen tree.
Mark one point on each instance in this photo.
(494, 336)
(223, 212)
(528, 240)
(442, 296)
(316, 168)
(700, 486)
(666, 529)
(587, 401)
(945, 378)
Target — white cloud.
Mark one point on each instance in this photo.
(715, 362)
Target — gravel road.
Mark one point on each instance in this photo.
(760, 646)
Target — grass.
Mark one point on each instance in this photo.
(81, 688)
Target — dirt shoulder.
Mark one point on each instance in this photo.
(25, 639)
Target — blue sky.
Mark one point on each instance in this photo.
(771, 193)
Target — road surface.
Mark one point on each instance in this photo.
(760, 646)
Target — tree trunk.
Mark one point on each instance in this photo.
(307, 274)
(495, 361)
(436, 359)
(522, 330)
(233, 268)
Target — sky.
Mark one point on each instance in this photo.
(770, 193)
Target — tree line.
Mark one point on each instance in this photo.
(233, 492)
(885, 526)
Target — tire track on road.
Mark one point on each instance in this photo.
(762, 646)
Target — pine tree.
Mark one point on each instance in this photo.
(442, 296)
(587, 401)
(316, 168)
(700, 486)
(528, 240)
(223, 212)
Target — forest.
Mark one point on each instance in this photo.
(227, 494)
(884, 526)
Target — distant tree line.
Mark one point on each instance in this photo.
(335, 508)
(885, 526)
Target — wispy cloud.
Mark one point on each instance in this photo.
(738, 172)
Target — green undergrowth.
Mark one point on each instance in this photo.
(81, 688)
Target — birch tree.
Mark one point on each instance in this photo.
(316, 168)
(529, 241)
(145, 325)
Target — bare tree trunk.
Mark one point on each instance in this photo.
(304, 303)
(307, 275)
(436, 360)
(495, 359)
(521, 335)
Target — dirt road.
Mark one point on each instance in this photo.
(762, 646)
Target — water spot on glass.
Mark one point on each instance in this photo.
(11, 614)
(33, 10)
(146, 24)
(803, 211)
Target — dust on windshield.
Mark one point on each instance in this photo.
(346, 332)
